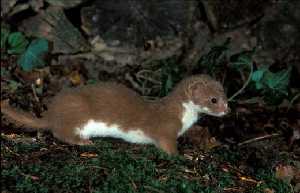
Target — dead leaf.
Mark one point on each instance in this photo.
(201, 137)
(285, 173)
(10, 136)
(33, 76)
(88, 155)
(34, 178)
(268, 190)
(30, 176)
(75, 78)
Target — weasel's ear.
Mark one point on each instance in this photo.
(194, 91)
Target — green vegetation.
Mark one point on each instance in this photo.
(261, 81)
(16, 42)
(107, 167)
(272, 86)
(29, 56)
(33, 56)
(171, 73)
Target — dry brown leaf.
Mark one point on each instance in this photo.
(268, 190)
(30, 176)
(34, 178)
(88, 155)
(285, 173)
(10, 136)
(75, 78)
(201, 137)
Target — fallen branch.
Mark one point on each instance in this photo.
(259, 138)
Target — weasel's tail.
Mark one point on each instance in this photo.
(23, 118)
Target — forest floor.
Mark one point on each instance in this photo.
(43, 164)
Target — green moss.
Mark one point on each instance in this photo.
(114, 169)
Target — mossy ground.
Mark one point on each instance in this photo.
(113, 166)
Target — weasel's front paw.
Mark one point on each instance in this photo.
(169, 146)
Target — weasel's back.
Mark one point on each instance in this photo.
(106, 102)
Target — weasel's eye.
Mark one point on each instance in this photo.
(214, 100)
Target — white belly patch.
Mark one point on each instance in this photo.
(100, 129)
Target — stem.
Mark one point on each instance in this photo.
(259, 138)
(245, 84)
(293, 100)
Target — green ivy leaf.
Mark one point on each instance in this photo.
(17, 43)
(4, 72)
(4, 36)
(242, 60)
(169, 84)
(269, 81)
(259, 86)
(33, 56)
(13, 85)
(258, 75)
(278, 81)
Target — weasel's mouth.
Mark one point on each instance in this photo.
(220, 114)
(207, 111)
(223, 112)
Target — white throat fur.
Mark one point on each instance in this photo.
(190, 115)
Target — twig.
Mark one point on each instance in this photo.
(18, 8)
(133, 82)
(293, 100)
(140, 75)
(238, 189)
(259, 138)
(212, 19)
(35, 178)
(34, 93)
(244, 86)
(8, 149)
(152, 189)
(243, 178)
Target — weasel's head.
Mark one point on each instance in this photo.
(207, 95)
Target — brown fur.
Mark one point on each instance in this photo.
(115, 104)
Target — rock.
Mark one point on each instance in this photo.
(136, 30)
(6, 6)
(279, 33)
(232, 14)
(53, 25)
(64, 3)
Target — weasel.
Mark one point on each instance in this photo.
(113, 110)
